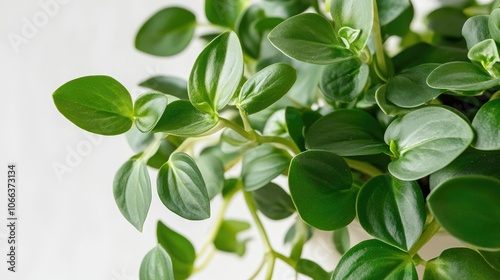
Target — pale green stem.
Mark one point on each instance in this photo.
(286, 259)
(259, 268)
(364, 167)
(379, 45)
(206, 261)
(238, 129)
(270, 268)
(150, 150)
(428, 233)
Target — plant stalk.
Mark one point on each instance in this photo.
(381, 62)
(427, 234)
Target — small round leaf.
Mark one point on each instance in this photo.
(148, 109)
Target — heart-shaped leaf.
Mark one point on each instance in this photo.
(459, 263)
(467, 208)
(486, 123)
(266, 87)
(321, 188)
(261, 165)
(168, 85)
(216, 73)
(273, 202)
(166, 33)
(310, 38)
(224, 12)
(461, 76)
(347, 132)
(392, 210)
(355, 14)
(182, 119)
(374, 259)
(226, 239)
(132, 191)
(156, 265)
(148, 109)
(426, 140)
(180, 249)
(345, 80)
(182, 189)
(98, 104)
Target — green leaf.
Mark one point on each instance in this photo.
(98, 104)
(459, 263)
(148, 109)
(494, 24)
(223, 12)
(467, 208)
(137, 140)
(409, 89)
(344, 81)
(168, 85)
(182, 189)
(312, 269)
(485, 52)
(470, 162)
(250, 37)
(132, 191)
(156, 265)
(387, 107)
(461, 76)
(179, 248)
(285, 8)
(347, 132)
(374, 259)
(309, 38)
(227, 237)
(355, 14)
(266, 87)
(275, 125)
(321, 188)
(182, 119)
(486, 123)
(166, 33)
(341, 240)
(400, 26)
(216, 73)
(492, 258)
(167, 147)
(389, 10)
(212, 171)
(476, 30)
(426, 140)
(425, 53)
(392, 210)
(261, 165)
(273, 202)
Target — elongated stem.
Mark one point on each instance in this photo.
(270, 268)
(253, 211)
(428, 233)
(246, 121)
(150, 150)
(286, 259)
(238, 129)
(364, 167)
(218, 222)
(280, 140)
(418, 260)
(379, 45)
(205, 262)
(259, 268)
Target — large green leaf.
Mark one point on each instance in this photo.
(223, 12)
(356, 15)
(148, 109)
(392, 210)
(424, 53)
(132, 191)
(321, 188)
(298, 123)
(261, 165)
(347, 132)
(167, 32)
(409, 89)
(182, 189)
(98, 104)
(491, 257)
(467, 208)
(374, 259)
(168, 85)
(179, 248)
(266, 87)
(182, 119)
(461, 76)
(476, 30)
(344, 81)
(426, 140)
(446, 22)
(486, 123)
(470, 162)
(273, 202)
(459, 263)
(227, 240)
(310, 38)
(389, 10)
(156, 265)
(216, 73)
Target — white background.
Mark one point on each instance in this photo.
(69, 226)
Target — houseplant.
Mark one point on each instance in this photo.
(407, 144)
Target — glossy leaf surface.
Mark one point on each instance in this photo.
(148, 109)
(486, 123)
(273, 202)
(345, 80)
(156, 265)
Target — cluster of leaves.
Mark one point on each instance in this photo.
(406, 144)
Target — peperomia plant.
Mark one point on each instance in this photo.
(406, 144)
